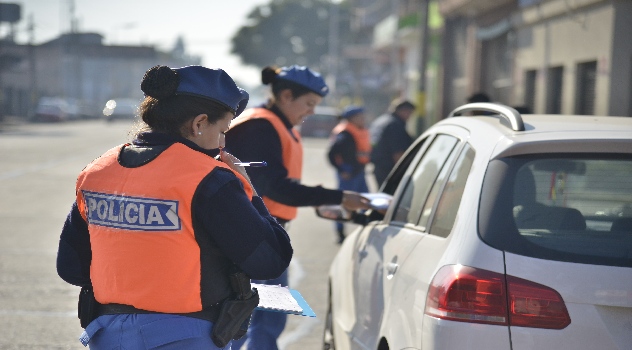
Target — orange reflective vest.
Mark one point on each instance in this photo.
(292, 155)
(144, 250)
(360, 137)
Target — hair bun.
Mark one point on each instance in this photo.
(268, 75)
(160, 82)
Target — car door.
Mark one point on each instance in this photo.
(389, 242)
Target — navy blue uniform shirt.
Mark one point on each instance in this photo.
(257, 140)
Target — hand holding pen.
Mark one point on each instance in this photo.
(236, 165)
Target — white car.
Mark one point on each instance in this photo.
(505, 231)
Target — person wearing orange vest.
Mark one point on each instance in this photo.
(267, 133)
(349, 152)
(160, 223)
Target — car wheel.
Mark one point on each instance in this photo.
(328, 333)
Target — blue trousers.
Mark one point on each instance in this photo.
(265, 326)
(149, 331)
(356, 183)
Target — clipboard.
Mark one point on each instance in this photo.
(277, 298)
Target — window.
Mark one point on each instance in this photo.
(392, 182)
(585, 93)
(434, 192)
(450, 200)
(575, 208)
(414, 195)
(555, 81)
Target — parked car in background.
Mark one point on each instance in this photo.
(55, 109)
(321, 123)
(504, 231)
(121, 108)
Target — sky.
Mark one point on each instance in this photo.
(206, 26)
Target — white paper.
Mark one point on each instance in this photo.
(378, 201)
(277, 298)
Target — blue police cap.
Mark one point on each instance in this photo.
(350, 111)
(305, 77)
(212, 84)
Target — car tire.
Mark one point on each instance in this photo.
(328, 333)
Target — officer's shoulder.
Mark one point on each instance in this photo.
(218, 178)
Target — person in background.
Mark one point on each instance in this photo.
(479, 97)
(389, 138)
(159, 224)
(349, 152)
(267, 133)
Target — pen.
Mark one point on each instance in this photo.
(253, 164)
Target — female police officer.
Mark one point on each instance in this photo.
(159, 223)
(267, 134)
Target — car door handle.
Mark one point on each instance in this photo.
(391, 269)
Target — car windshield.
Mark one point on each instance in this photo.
(566, 208)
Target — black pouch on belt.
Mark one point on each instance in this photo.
(87, 307)
(234, 315)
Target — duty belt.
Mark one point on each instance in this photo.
(209, 314)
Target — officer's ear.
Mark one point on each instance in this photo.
(197, 124)
(286, 96)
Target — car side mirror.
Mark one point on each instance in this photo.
(333, 212)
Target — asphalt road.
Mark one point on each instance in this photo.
(38, 168)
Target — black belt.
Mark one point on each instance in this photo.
(210, 314)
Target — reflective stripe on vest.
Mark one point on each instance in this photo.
(144, 251)
(360, 137)
(292, 155)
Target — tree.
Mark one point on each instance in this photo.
(287, 32)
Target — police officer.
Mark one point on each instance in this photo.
(389, 138)
(349, 152)
(267, 133)
(159, 223)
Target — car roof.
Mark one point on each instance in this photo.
(547, 134)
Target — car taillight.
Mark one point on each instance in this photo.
(534, 305)
(465, 294)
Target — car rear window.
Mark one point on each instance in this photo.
(560, 207)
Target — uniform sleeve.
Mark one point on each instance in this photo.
(74, 254)
(257, 140)
(242, 229)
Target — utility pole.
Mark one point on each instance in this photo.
(423, 62)
(33, 96)
(334, 18)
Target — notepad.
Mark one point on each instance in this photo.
(277, 298)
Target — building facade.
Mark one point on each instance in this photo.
(549, 56)
(78, 69)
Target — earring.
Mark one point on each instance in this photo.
(199, 133)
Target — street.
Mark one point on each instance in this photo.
(39, 166)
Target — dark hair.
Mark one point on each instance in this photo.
(269, 77)
(165, 111)
(479, 97)
(399, 104)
